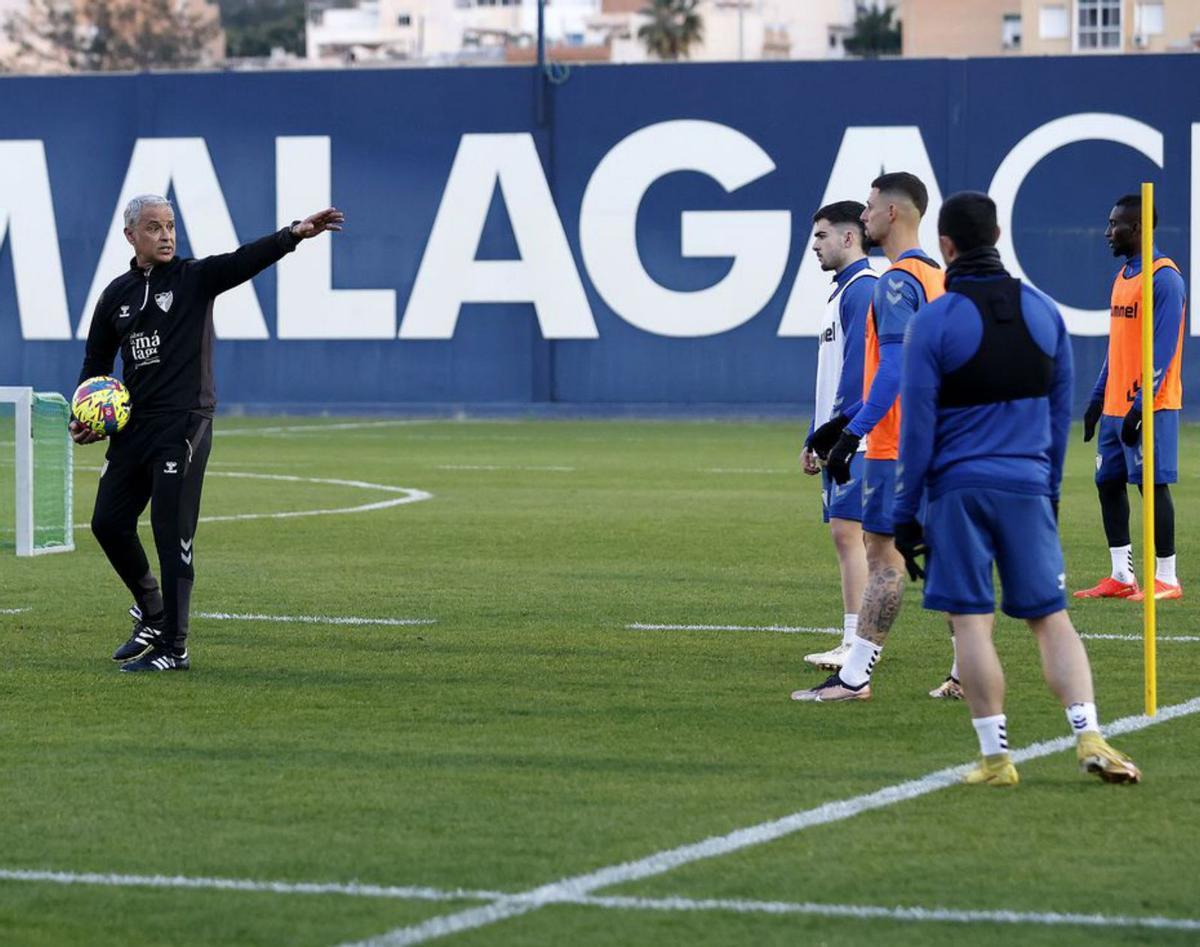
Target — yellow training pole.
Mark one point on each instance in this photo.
(1148, 549)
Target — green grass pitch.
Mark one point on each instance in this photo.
(528, 735)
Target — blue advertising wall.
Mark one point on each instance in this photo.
(393, 137)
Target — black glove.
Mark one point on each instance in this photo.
(1131, 427)
(840, 455)
(823, 438)
(1091, 417)
(910, 543)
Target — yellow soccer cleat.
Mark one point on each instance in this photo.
(1113, 766)
(949, 689)
(997, 770)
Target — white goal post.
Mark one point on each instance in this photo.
(44, 471)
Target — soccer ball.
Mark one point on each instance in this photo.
(101, 404)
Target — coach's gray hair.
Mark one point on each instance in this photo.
(133, 210)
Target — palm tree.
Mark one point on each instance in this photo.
(875, 34)
(674, 26)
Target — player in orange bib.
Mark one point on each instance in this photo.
(1116, 407)
(892, 217)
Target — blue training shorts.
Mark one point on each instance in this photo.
(844, 501)
(970, 529)
(1115, 461)
(879, 496)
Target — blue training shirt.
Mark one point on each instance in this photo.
(898, 295)
(1014, 445)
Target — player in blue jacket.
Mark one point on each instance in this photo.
(986, 411)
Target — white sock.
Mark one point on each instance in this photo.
(860, 662)
(1082, 718)
(954, 666)
(1122, 563)
(849, 629)
(1164, 570)
(992, 733)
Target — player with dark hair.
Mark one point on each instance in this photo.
(987, 413)
(892, 217)
(1116, 405)
(159, 315)
(838, 242)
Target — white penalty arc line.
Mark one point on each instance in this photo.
(408, 495)
(727, 905)
(315, 619)
(669, 859)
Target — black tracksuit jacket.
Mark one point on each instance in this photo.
(161, 319)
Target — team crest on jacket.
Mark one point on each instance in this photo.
(164, 300)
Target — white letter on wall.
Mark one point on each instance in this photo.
(545, 275)
(865, 153)
(1086, 126)
(307, 306)
(758, 241)
(156, 165)
(27, 218)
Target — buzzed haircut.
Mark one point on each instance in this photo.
(844, 212)
(1135, 201)
(901, 182)
(969, 219)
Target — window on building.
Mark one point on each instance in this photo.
(1098, 24)
(403, 19)
(1010, 31)
(1149, 17)
(1053, 22)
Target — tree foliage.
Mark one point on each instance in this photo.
(255, 27)
(107, 35)
(875, 31)
(673, 28)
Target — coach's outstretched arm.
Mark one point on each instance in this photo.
(226, 270)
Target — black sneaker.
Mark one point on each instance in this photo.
(159, 659)
(143, 637)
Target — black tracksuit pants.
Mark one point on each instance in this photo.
(158, 460)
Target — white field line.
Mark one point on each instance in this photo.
(737, 906)
(783, 629)
(747, 470)
(503, 467)
(805, 630)
(316, 428)
(1104, 637)
(241, 884)
(871, 912)
(667, 860)
(12, 611)
(408, 495)
(315, 619)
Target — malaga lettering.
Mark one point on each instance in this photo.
(545, 273)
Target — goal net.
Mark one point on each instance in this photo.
(36, 472)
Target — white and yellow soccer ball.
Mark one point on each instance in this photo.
(101, 404)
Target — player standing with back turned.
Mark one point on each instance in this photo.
(987, 413)
(159, 315)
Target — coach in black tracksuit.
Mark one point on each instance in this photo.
(159, 314)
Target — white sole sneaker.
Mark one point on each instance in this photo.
(831, 660)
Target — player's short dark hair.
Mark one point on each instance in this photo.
(901, 182)
(1135, 201)
(969, 219)
(844, 212)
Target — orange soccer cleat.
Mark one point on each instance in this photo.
(1109, 588)
(1162, 591)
